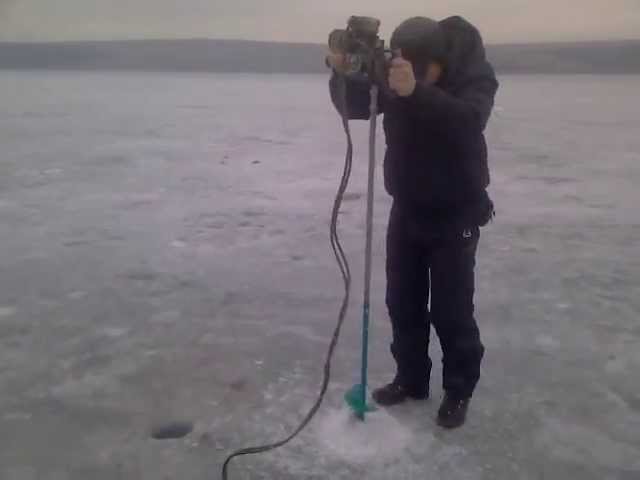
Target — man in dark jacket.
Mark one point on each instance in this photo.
(436, 170)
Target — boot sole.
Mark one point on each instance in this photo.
(415, 398)
(450, 425)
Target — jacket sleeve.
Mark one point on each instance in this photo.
(357, 94)
(467, 113)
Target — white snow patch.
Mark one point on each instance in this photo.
(77, 295)
(546, 341)
(115, 332)
(167, 317)
(20, 473)
(89, 384)
(16, 416)
(7, 311)
(586, 445)
(379, 438)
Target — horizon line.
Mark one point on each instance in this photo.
(280, 42)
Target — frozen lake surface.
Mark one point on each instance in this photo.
(165, 256)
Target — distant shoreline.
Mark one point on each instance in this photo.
(239, 56)
(284, 74)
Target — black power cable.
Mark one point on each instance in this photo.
(346, 276)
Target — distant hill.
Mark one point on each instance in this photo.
(592, 57)
(201, 55)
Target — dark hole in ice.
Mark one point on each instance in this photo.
(172, 431)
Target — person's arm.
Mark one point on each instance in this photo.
(462, 115)
(459, 116)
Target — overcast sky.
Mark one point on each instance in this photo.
(309, 20)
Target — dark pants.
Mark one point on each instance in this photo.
(422, 262)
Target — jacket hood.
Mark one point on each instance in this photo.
(465, 53)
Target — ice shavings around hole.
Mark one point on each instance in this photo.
(379, 438)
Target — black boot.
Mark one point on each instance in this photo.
(395, 393)
(453, 411)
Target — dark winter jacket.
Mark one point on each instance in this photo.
(436, 159)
